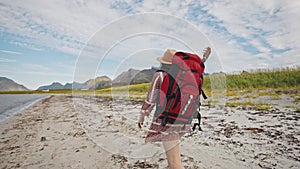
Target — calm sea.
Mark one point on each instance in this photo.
(11, 104)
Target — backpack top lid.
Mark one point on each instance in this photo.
(188, 61)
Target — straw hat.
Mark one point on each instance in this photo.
(168, 56)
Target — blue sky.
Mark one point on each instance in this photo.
(46, 41)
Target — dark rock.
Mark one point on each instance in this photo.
(43, 139)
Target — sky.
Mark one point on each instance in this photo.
(63, 41)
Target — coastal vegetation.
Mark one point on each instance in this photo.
(284, 78)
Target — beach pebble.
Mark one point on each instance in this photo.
(43, 139)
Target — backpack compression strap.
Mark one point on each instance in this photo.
(164, 121)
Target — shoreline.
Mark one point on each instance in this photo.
(72, 132)
(17, 109)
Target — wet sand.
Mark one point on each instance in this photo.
(89, 132)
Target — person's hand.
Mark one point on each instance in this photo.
(206, 53)
(141, 120)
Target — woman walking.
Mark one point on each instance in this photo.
(169, 134)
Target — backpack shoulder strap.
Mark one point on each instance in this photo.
(159, 108)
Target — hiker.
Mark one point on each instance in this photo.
(168, 134)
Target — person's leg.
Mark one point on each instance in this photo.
(172, 149)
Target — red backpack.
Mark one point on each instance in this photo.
(180, 89)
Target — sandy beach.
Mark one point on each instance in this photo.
(94, 132)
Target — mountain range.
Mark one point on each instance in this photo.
(9, 85)
(128, 77)
(134, 76)
(99, 82)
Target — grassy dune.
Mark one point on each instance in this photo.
(284, 79)
(287, 78)
(131, 89)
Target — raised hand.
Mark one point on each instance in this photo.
(206, 53)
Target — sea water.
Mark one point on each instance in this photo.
(11, 104)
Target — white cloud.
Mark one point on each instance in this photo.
(10, 52)
(43, 73)
(263, 26)
(5, 60)
(244, 33)
(36, 67)
(62, 25)
(260, 46)
(26, 43)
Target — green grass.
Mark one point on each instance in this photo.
(267, 93)
(235, 98)
(275, 98)
(262, 106)
(137, 89)
(287, 78)
(234, 92)
(235, 104)
(297, 100)
(256, 106)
